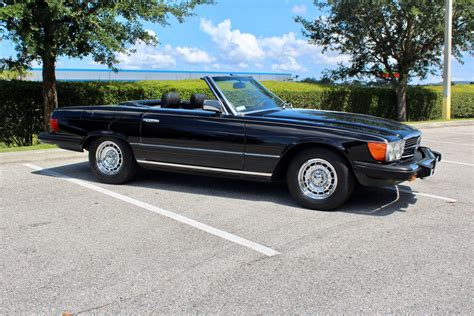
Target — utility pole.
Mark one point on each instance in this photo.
(448, 21)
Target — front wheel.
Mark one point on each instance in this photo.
(320, 179)
(112, 160)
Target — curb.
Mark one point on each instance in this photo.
(40, 154)
(443, 124)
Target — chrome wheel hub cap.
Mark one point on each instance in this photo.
(109, 158)
(317, 179)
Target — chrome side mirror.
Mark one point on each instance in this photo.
(212, 105)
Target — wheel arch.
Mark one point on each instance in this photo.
(294, 149)
(102, 133)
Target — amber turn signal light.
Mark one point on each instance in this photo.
(378, 150)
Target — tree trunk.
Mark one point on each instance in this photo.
(401, 91)
(50, 95)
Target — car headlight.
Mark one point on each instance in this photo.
(395, 150)
(391, 151)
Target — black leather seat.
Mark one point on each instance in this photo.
(170, 100)
(196, 101)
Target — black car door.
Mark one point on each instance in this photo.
(193, 137)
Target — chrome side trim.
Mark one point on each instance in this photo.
(167, 164)
(150, 120)
(191, 149)
(262, 155)
(205, 150)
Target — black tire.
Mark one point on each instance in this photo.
(341, 191)
(128, 165)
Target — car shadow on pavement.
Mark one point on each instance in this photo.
(379, 201)
(364, 201)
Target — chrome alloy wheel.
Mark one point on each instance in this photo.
(108, 158)
(317, 179)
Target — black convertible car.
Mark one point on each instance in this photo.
(244, 130)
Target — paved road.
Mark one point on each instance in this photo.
(174, 243)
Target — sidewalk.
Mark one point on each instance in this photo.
(41, 154)
(443, 124)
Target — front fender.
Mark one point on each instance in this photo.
(315, 141)
(311, 142)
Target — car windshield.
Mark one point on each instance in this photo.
(247, 95)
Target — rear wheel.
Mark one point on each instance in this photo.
(320, 179)
(112, 160)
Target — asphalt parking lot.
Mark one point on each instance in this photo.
(175, 243)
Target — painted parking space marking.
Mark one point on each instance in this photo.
(458, 163)
(421, 194)
(179, 218)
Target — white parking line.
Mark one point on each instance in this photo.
(458, 163)
(422, 194)
(442, 142)
(182, 219)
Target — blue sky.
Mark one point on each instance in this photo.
(243, 35)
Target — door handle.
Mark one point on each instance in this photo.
(150, 120)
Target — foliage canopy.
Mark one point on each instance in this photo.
(393, 40)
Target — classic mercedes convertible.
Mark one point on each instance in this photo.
(244, 130)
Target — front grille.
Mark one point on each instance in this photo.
(411, 145)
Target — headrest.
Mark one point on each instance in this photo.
(197, 101)
(170, 100)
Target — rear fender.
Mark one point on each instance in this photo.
(102, 133)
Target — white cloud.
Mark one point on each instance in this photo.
(330, 59)
(147, 57)
(153, 57)
(285, 45)
(289, 65)
(287, 50)
(242, 65)
(235, 45)
(299, 9)
(284, 52)
(194, 55)
(222, 67)
(235, 50)
(216, 66)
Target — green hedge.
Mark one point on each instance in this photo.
(21, 106)
(21, 112)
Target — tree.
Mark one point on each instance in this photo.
(44, 30)
(324, 80)
(12, 71)
(389, 39)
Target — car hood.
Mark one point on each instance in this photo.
(344, 120)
